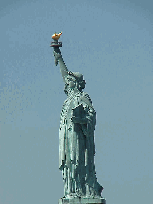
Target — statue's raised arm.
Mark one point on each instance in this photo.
(58, 56)
(59, 59)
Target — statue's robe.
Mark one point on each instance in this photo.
(77, 148)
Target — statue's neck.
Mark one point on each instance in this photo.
(72, 92)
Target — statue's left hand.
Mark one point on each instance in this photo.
(79, 120)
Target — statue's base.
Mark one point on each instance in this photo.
(82, 201)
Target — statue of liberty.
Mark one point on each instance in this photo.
(76, 134)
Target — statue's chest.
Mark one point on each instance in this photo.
(67, 109)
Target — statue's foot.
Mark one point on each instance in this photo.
(72, 195)
(69, 196)
(92, 196)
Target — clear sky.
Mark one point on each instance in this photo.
(111, 44)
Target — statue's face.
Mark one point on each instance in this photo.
(70, 82)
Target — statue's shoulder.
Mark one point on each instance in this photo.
(86, 98)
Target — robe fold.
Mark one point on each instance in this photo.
(77, 148)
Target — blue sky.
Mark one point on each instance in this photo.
(110, 43)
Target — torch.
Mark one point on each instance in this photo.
(55, 37)
(55, 44)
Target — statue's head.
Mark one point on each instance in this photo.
(74, 80)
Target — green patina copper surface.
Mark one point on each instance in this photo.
(76, 137)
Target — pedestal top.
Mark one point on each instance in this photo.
(82, 201)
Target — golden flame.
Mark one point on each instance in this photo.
(56, 36)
